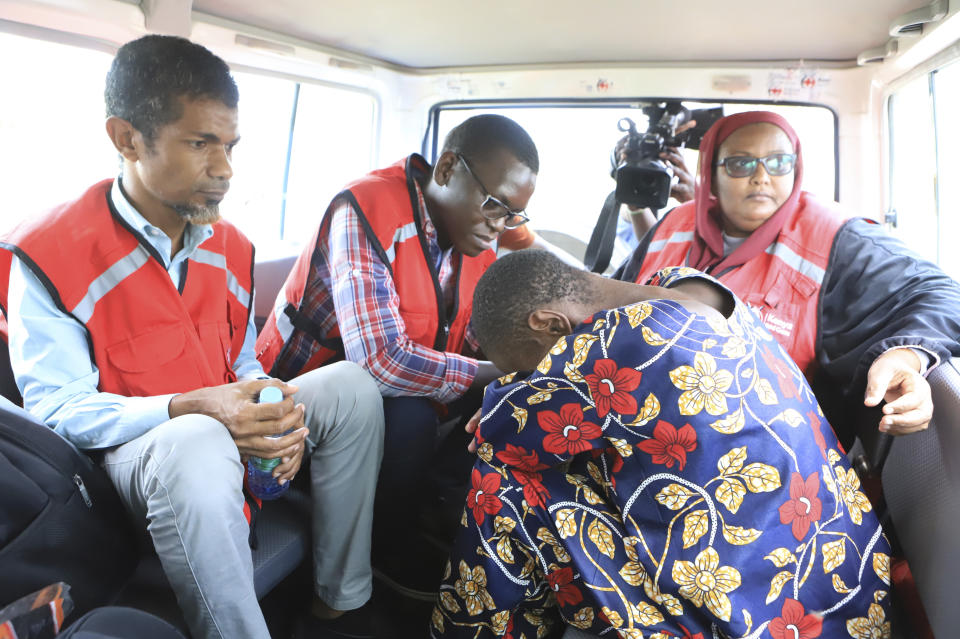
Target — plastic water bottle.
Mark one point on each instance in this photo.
(260, 479)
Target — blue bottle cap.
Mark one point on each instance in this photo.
(270, 395)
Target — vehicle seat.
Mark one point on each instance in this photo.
(572, 245)
(8, 387)
(283, 543)
(269, 276)
(921, 484)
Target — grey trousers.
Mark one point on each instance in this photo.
(184, 479)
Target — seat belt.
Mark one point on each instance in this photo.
(600, 247)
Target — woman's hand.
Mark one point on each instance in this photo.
(895, 377)
(683, 190)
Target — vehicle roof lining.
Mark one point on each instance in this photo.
(419, 34)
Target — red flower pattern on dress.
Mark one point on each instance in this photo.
(560, 581)
(567, 433)
(804, 506)
(793, 623)
(669, 445)
(817, 435)
(482, 498)
(784, 373)
(687, 635)
(534, 492)
(518, 457)
(610, 387)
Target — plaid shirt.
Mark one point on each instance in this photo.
(348, 277)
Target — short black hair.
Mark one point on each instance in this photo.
(150, 75)
(515, 286)
(480, 136)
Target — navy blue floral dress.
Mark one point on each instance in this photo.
(663, 474)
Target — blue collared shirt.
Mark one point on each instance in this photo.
(51, 360)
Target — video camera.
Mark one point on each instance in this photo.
(643, 179)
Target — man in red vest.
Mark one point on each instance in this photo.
(387, 282)
(131, 336)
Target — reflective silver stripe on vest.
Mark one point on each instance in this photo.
(284, 327)
(676, 238)
(797, 263)
(402, 234)
(108, 280)
(220, 261)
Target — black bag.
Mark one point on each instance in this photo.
(117, 622)
(60, 517)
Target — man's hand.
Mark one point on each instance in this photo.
(290, 465)
(471, 427)
(895, 378)
(235, 406)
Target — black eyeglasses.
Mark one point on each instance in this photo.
(739, 166)
(494, 209)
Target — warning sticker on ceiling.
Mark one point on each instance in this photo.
(804, 84)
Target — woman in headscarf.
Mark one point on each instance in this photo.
(847, 301)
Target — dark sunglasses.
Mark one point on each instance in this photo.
(739, 166)
(494, 209)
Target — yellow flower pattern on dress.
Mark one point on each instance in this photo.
(849, 485)
(472, 588)
(704, 386)
(706, 582)
(873, 626)
(583, 618)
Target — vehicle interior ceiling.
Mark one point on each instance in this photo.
(411, 55)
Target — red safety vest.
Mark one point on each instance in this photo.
(5, 257)
(781, 284)
(387, 204)
(145, 337)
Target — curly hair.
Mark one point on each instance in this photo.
(515, 286)
(150, 75)
(480, 136)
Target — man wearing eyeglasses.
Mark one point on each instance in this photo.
(388, 282)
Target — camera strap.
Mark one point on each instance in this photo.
(600, 247)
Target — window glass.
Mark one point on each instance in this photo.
(55, 145)
(332, 144)
(260, 158)
(947, 92)
(51, 125)
(913, 167)
(575, 145)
